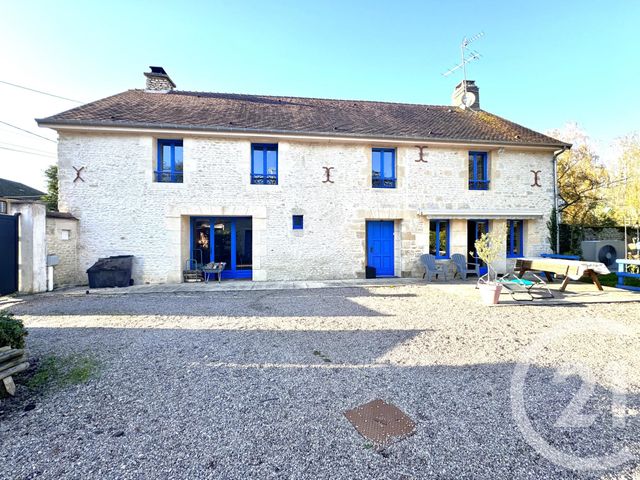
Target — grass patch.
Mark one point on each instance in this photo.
(611, 280)
(57, 371)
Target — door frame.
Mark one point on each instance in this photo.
(393, 245)
(483, 268)
(230, 270)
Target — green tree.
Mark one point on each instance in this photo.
(583, 181)
(625, 197)
(51, 197)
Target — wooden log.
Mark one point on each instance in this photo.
(4, 349)
(12, 363)
(12, 371)
(8, 387)
(6, 355)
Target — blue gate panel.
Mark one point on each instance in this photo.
(8, 254)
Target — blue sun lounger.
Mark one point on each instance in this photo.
(518, 287)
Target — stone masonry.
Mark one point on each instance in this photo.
(62, 241)
(122, 210)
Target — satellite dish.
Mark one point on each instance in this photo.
(468, 99)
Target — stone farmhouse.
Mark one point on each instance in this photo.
(287, 188)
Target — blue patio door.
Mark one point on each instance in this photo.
(380, 247)
(224, 239)
(475, 229)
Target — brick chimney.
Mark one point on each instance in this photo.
(158, 80)
(472, 89)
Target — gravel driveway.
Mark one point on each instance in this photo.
(254, 385)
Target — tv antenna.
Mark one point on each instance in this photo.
(467, 56)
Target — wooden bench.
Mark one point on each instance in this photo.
(12, 361)
(622, 273)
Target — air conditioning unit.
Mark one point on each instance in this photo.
(603, 251)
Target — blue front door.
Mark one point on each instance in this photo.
(380, 247)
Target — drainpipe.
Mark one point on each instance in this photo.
(556, 154)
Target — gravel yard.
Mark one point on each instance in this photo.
(253, 384)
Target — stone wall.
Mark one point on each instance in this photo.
(123, 211)
(62, 241)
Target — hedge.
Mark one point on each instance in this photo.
(12, 331)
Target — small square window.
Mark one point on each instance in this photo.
(298, 222)
(65, 234)
(3, 206)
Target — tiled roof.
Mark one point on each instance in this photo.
(295, 115)
(11, 189)
(64, 215)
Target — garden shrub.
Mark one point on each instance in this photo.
(12, 331)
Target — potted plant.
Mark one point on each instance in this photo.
(488, 248)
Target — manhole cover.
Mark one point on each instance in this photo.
(380, 422)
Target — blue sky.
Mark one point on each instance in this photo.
(544, 63)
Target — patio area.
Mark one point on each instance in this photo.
(576, 292)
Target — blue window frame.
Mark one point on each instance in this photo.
(439, 238)
(515, 238)
(298, 222)
(170, 165)
(264, 163)
(478, 171)
(383, 168)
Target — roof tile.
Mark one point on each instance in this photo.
(296, 115)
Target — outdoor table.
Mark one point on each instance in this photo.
(571, 269)
(447, 266)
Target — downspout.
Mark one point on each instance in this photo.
(556, 154)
